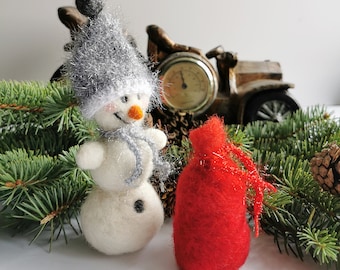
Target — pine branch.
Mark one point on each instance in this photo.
(43, 118)
(48, 204)
(41, 188)
(20, 103)
(300, 135)
(322, 244)
(54, 207)
(21, 173)
(301, 216)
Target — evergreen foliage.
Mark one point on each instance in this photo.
(41, 188)
(40, 184)
(301, 216)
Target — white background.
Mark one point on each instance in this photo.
(304, 36)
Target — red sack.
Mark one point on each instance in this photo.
(210, 226)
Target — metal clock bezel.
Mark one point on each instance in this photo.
(209, 71)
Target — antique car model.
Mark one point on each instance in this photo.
(240, 91)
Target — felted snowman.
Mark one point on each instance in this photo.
(115, 87)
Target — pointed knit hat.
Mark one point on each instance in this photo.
(104, 65)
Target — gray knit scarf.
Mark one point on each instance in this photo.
(130, 134)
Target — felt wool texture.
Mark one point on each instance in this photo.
(130, 135)
(114, 226)
(115, 166)
(115, 88)
(103, 63)
(210, 226)
(110, 221)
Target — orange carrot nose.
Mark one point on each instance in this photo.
(135, 112)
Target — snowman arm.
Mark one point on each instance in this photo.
(90, 155)
(157, 136)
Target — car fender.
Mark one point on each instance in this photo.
(246, 91)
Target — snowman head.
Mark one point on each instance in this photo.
(125, 110)
(108, 74)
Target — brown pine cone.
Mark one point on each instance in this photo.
(325, 168)
(176, 125)
(168, 195)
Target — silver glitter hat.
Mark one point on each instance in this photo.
(103, 65)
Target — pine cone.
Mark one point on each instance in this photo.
(168, 195)
(325, 167)
(176, 126)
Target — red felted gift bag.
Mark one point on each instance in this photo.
(210, 226)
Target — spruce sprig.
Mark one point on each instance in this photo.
(323, 244)
(48, 195)
(21, 105)
(60, 108)
(41, 188)
(23, 172)
(301, 216)
(51, 209)
(300, 135)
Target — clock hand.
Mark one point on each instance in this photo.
(184, 85)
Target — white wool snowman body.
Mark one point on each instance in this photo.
(118, 216)
(115, 87)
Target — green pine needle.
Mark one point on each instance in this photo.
(53, 207)
(301, 216)
(22, 172)
(61, 108)
(323, 245)
(42, 189)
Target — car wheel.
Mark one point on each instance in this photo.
(273, 106)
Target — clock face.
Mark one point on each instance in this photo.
(188, 84)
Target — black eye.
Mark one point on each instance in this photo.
(124, 99)
(138, 96)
